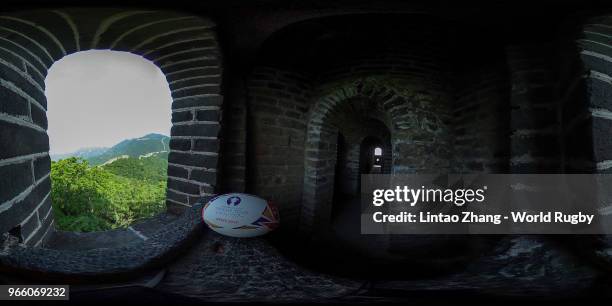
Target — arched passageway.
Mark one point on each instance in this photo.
(413, 135)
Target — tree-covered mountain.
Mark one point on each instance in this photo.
(112, 189)
(84, 153)
(145, 168)
(150, 144)
(95, 198)
(136, 147)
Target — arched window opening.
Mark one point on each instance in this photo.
(109, 125)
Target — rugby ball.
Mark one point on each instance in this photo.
(240, 215)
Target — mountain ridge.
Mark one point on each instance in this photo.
(82, 152)
(147, 145)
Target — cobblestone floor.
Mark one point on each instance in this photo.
(227, 269)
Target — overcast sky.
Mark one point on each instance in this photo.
(98, 98)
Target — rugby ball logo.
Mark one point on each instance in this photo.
(240, 215)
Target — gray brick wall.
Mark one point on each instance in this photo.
(278, 104)
(481, 119)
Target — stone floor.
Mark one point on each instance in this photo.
(228, 269)
(62, 240)
(223, 269)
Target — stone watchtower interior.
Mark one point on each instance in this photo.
(293, 102)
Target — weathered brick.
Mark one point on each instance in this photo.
(180, 144)
(210, 130)
(600, 93)
(17, 140)
(200, 90)
(211, 100)
(207, 115)
(182, 116)
(602, 142)
(211, 65)
(44, 211)
(200, 80)
(39, 234)
(197, 160)
(177, 172)
(42, 167)
(21, 209)
(13, 104)
(183, 186)
(204, 176)
(39, 117)
(29, 226)
(181, 47)
(14, 179)
(592, 62)
(23, 84)
(206, 145)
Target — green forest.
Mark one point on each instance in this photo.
(95, 198)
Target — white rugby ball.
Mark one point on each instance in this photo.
(240, 215)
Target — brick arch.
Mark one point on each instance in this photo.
(183, 46)
(398, 102)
